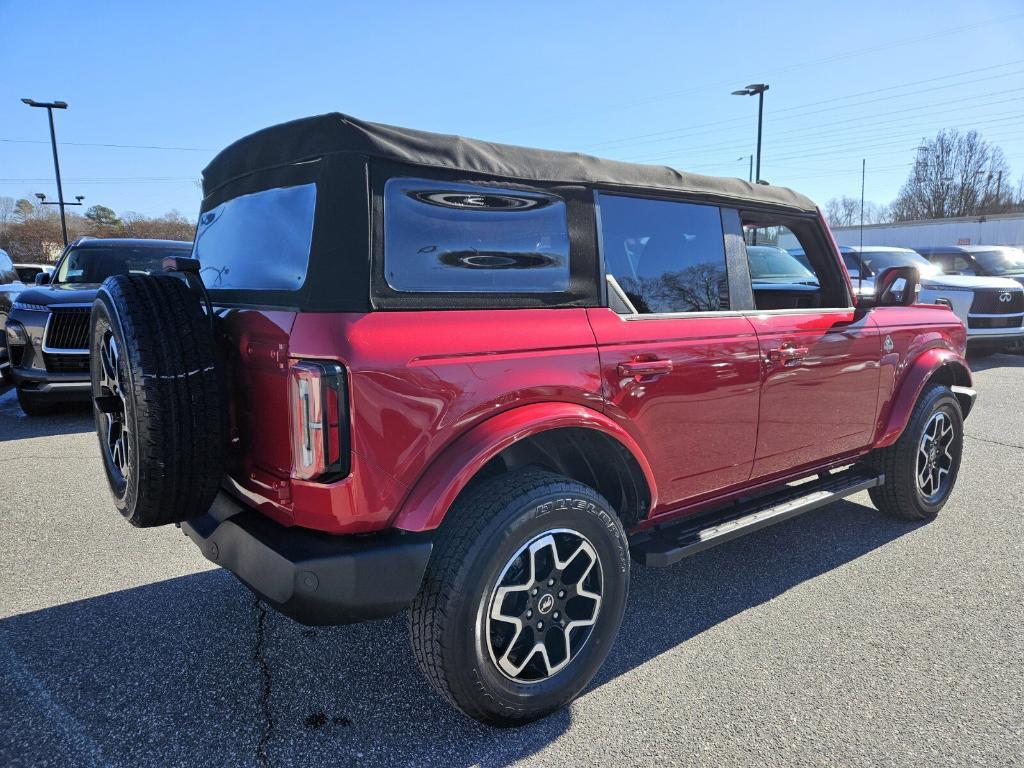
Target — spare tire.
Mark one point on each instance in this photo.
(158, 398)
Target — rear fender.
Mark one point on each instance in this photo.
(450, 472)
(943, 364)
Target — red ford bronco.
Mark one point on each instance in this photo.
(407, 370)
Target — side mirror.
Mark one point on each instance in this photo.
(897, 287)
(43, 278)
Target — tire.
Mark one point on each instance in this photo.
(902, 495)
(457, 644)
(33, 405)
(158, 399)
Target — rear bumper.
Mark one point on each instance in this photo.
(315, 578)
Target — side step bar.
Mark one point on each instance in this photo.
(673, 542)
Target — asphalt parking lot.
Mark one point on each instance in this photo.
(839, 638)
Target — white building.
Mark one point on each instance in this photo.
(999, 229)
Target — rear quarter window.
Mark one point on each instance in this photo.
(470, 238)
(260, 241)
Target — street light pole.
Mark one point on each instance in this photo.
(50, 106)
(756, 89)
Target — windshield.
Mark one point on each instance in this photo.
(1001, 261)
(879, 260)
(775, 264)
(95, 264)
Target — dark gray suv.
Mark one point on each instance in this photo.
(47, 330)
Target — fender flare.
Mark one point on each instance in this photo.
(451, 470)
(911, 384)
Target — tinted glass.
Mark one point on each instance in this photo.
(7, 273)
(440, 236)
(776, 265)
(1002, 261)
(259, 241)
(96, 264)
(879, 260)
(666, 256)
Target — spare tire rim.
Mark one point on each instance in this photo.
(117, 435)
(544, 605)
(935, 457)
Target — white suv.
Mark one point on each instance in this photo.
(992, 308)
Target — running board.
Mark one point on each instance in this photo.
(672, 542)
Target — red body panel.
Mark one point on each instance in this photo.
(435, 394)
(924, 338)
(697, 423)
(441, 483)
(820, 402)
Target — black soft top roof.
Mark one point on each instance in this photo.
(313, 137)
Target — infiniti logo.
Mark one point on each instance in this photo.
(1005, 297)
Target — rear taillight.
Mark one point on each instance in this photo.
(319, 420)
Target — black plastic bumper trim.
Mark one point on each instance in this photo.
(313, 577)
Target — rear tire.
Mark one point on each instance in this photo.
(921, 467)
(33, 405)
(158, 399)
(532, 546)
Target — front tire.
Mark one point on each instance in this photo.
(522, 598)
(921, 467)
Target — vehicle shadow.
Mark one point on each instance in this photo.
(194, 670)
(69, 418)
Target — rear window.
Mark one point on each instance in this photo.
(259, 241)
(463, 238)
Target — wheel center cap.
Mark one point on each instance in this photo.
(546, 603)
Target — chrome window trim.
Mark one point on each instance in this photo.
(736, 313)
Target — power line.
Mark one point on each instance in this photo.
(115, 146)
(731, 145)
(782, 113)
(815, 103)
(897, 43)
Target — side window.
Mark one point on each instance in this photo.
(466, 238)
(7, 273)
(663, 256)
(779, 279)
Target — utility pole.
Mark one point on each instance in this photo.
(863, 175)
(50, 106)
(999, 186)
(756, 89)
(750, 175)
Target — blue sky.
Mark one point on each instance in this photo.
(637, 81)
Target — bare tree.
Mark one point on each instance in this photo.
(954, 174)
(845, 212)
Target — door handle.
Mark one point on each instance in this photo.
(787, 354)
(645, 368)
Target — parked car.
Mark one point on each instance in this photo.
(863, 284)
(27, 272)
(47, 330)
(980, 260)
(992, 308)
(10, 286)
(475, 380)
